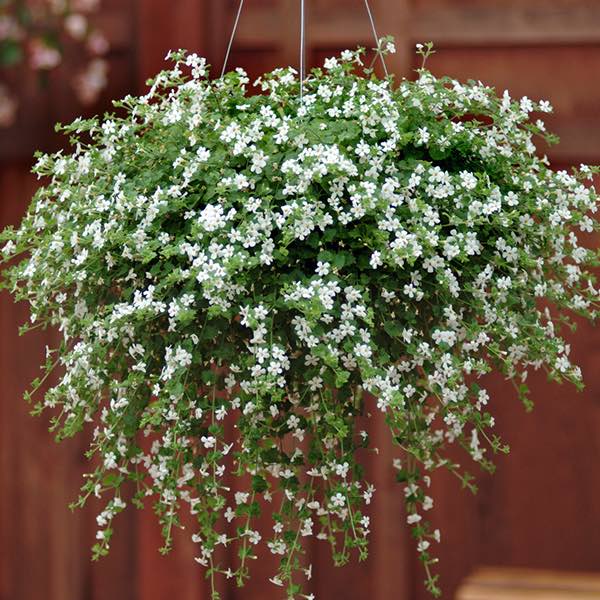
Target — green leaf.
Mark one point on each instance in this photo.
(259, 484)
(393, 328)
(341, 378)
(11, 53)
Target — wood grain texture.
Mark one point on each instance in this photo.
(474, 22)
(529, 584)
(507, 22)
(162, 26)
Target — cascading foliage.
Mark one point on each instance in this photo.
(239, 279)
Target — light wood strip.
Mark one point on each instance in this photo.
(575, 22)
(529, 584)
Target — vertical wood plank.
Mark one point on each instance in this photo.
(218, 22)
(391, 550)
(394, 18)
(164, 26)
(37, 531)
(289, 52)
(175, 575)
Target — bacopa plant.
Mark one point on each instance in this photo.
(238, 280)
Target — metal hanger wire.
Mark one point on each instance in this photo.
(233, 32)
(302, 61)
(376, 37)
(302, 49)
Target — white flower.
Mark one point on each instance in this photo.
(342, 470)
(315, 383)
(338, 500)
(9, 248)
(110, 460)
(526, 104)
(208, 441)
(277, 547)
(423, 136)
(331, 63)
(323, 268)
(259, 162)
(363, 150)
(254, 537)
(203, 154)
(444, 337)
(241, 497)
(376, 260)
(468, 180)
(212, 217)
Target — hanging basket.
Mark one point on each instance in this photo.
(239, 280)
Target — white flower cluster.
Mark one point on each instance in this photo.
(242, 278)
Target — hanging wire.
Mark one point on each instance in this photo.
(302, 49)
(302, 41)
(368, 7)
(235, 26)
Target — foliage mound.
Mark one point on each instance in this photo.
(239, 280)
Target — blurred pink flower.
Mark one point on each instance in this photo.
(97, 43)
(10, 28)
(76, 25)
(89, 83)
(8, 107)
(34, 35)
(42, 56)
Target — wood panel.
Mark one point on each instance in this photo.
(529, 584)
(466, 22)
(507, 22)
(163, 26)
(539, 509)
(44, 547)
(51, 99)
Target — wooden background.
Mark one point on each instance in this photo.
(541, 509)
